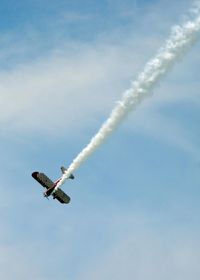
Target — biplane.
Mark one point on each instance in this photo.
(50, 186)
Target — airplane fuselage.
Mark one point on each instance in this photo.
(48, 192)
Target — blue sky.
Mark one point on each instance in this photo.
(134, 210)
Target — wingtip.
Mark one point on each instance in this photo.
(34, 174)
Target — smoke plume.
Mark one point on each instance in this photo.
(181, 39)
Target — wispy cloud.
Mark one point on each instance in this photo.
(64, 85)
(148, 256)
(169, 131)
(72, 17)
(22, 264)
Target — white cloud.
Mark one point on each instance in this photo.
(64, 89)
(167, 129)
(72, 17)
(148, 256)
(15, 263)
(71, 86)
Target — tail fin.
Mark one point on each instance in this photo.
(63, 169)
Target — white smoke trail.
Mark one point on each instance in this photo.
(182, 37)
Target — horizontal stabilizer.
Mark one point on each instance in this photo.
(64, 170)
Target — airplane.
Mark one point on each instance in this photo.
(50, 186)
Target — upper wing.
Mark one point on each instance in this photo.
(43, 180)
(61, 196)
